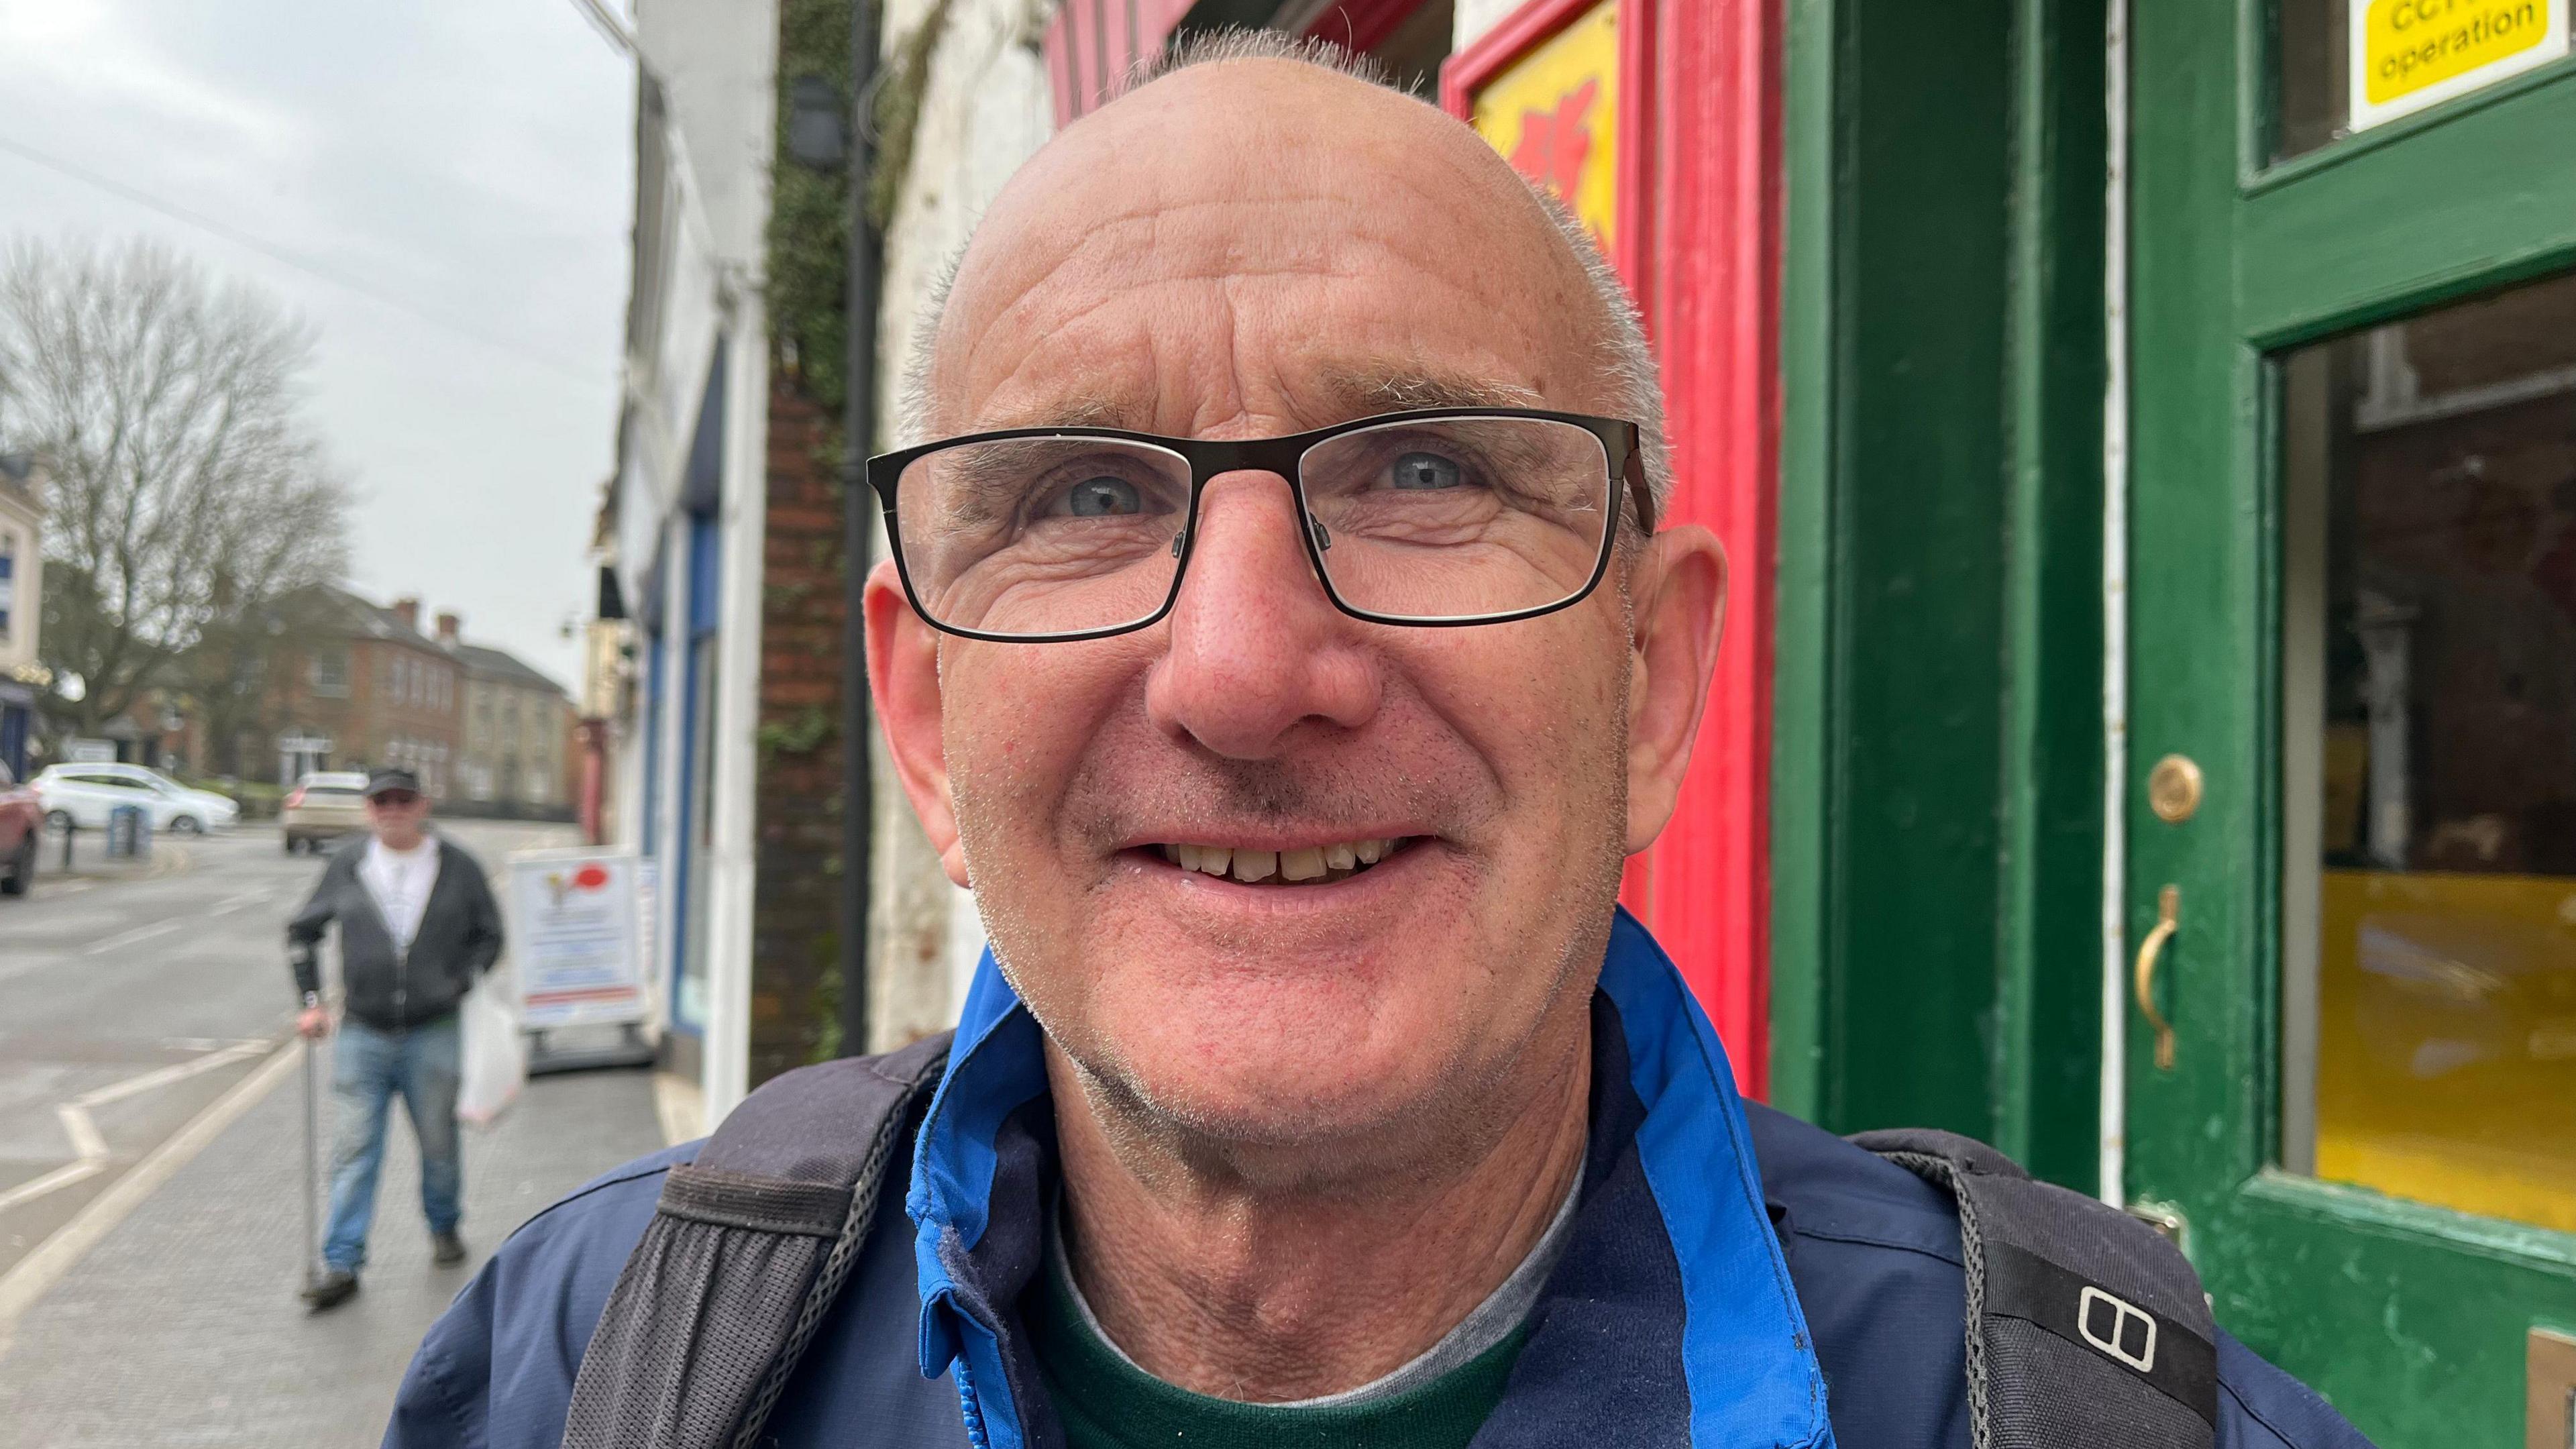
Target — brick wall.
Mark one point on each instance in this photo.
(797, 809)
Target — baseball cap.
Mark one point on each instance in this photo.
(389, 779)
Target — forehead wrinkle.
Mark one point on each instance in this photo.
(1076, 411)
(1112, 234)
(1361, 387)
(1345, 389)
(1527, 262)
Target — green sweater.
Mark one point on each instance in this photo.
(1108, 1403)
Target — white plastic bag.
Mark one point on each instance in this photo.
(496, 1053)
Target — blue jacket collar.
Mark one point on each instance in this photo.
(1670, 1321)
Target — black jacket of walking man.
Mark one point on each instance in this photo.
(417, 927)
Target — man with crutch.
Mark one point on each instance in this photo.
(418, 925)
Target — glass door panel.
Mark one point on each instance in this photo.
(2429, 757)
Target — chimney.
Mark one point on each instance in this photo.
(408, 610)
(448, 624)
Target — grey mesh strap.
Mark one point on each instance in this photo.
(747, 1251)
(2084, 1325)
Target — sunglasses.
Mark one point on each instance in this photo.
(394, 797)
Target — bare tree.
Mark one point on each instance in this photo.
(188, 490)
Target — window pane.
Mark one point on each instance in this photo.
(2429, 660)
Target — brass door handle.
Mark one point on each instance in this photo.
(2169, 920)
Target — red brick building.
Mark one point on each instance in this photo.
(373, 692)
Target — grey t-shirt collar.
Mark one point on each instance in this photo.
(1488, 1324)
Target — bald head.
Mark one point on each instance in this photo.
(1258, 240)
(1256, 246)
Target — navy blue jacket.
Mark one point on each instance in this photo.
(1704, 1300)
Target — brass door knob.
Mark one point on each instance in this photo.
(2168, 921)
(2174, 789)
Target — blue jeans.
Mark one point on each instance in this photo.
(368, 1066)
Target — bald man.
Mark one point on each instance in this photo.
(1281, 641)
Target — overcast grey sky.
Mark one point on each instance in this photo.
(468, 159)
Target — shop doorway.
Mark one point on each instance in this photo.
(2349, 801)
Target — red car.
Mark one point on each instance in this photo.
(22, 823)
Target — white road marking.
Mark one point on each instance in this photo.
(236, 903)
(39, 1271)
(89, 1147)
(61, 1177)
(176, 1071)
(135, 937)
(87, 1144)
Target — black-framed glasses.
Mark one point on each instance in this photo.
(1438, 516)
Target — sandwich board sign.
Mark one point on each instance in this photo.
(578, 955)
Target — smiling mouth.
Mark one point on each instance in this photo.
(1310, 865)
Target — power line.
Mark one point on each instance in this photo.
(323, 271)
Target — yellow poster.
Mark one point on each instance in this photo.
(2409, 54)
(1554, 114)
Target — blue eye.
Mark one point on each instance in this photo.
(1103, 497)
(1424, 470)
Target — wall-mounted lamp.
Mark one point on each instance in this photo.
(818, 135)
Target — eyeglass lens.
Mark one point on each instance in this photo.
(1415, 519)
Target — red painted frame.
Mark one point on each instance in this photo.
(1465, 73)
(1361, 25)
(1088, 49)
(1699, 246)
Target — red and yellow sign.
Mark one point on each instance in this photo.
(1554, 112)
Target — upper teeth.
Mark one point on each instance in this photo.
(1305, 863)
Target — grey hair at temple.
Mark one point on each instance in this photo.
(1626, 361)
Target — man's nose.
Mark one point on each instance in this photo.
(1256, 647)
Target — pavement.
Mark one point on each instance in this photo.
(151, 1144)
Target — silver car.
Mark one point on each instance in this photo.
(323, 807)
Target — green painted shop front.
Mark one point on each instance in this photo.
(2161, 403)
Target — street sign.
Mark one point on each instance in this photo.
(89, 752)
(575, 939)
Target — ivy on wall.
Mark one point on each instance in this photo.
(808, 303)
(809, 216)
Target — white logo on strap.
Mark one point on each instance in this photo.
(2122, 1314)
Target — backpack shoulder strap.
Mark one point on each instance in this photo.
(2084, 1324)
(746, 1253)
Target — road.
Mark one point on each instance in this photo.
(150, 1130)
(126, 1007)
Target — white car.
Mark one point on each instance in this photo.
(83, 794)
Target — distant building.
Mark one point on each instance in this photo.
(22, 577)
(518, 729)
(371, 691)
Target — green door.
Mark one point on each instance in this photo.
(2350, 601)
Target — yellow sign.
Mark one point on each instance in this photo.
(1554, 114)
(2409, 54)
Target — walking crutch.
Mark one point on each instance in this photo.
(312, 1228)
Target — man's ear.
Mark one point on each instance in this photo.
(1677, 594)
(903, 678)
